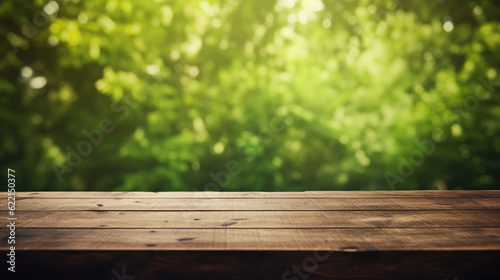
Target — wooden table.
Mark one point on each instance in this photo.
(256, 235)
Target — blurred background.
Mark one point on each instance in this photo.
(228, 95)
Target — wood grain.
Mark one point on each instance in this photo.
(265, 204)
(345, 240)
(258, 219)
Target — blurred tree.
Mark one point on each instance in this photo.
(250, 95)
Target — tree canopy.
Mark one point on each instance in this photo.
(250, 95)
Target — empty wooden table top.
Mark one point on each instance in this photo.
(338, 221)
(362, 221)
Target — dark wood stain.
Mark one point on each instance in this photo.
(251, 265)
(362, 235)
(185, 239)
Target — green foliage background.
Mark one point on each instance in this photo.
(294, 95)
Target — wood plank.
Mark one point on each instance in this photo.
(257, 219)
(366, 235)
(262, 265)
(268, 204)
(342, 240)
(255, 195)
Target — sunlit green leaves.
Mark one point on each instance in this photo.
(301, 94)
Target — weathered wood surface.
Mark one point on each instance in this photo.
(282, 239)
(262, 204)
(258, 235)
(259, 219)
